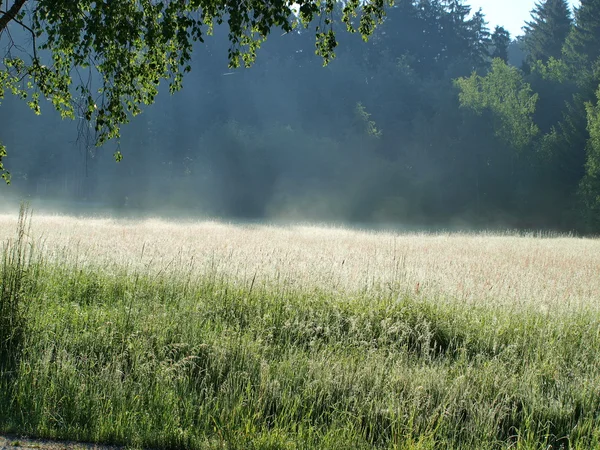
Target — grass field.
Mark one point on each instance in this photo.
(210, 335)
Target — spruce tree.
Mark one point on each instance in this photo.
(500, 43)
(546, 33)
(583, 42)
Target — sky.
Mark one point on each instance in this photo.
(511, 14)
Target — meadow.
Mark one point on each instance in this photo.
(160, 334)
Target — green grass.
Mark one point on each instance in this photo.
(170, 361)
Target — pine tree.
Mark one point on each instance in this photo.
(583, 42)
(500, 43)
(546, 33)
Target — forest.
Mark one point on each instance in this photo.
(437, 121)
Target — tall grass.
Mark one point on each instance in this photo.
(197, 359)
(14, 301)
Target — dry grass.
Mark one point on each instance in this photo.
(542, 272)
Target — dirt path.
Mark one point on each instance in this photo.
(18, 443)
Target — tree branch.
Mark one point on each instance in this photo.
(11, 14)
(25, 27)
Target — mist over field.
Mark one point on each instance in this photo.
(379, 138)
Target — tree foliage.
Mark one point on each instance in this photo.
(547, 31)
(511, 100)
(582, 47)
(129, 46)
(500, 43)
(468, 138)
(590, 185)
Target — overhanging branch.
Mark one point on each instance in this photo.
(25, 27)
(11, 14)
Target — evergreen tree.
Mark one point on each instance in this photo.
(583, 42)
(448, 36)
(500, 43)
(547, 31)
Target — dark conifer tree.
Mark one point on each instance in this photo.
(546, 33)
(583, 42)
(500, 43)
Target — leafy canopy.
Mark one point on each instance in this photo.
(590, 184)
(102, 60)
(504, 93)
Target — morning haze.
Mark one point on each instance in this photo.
(377, 137)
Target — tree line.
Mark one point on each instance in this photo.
(435, 121)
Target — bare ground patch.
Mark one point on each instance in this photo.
(19, 443)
